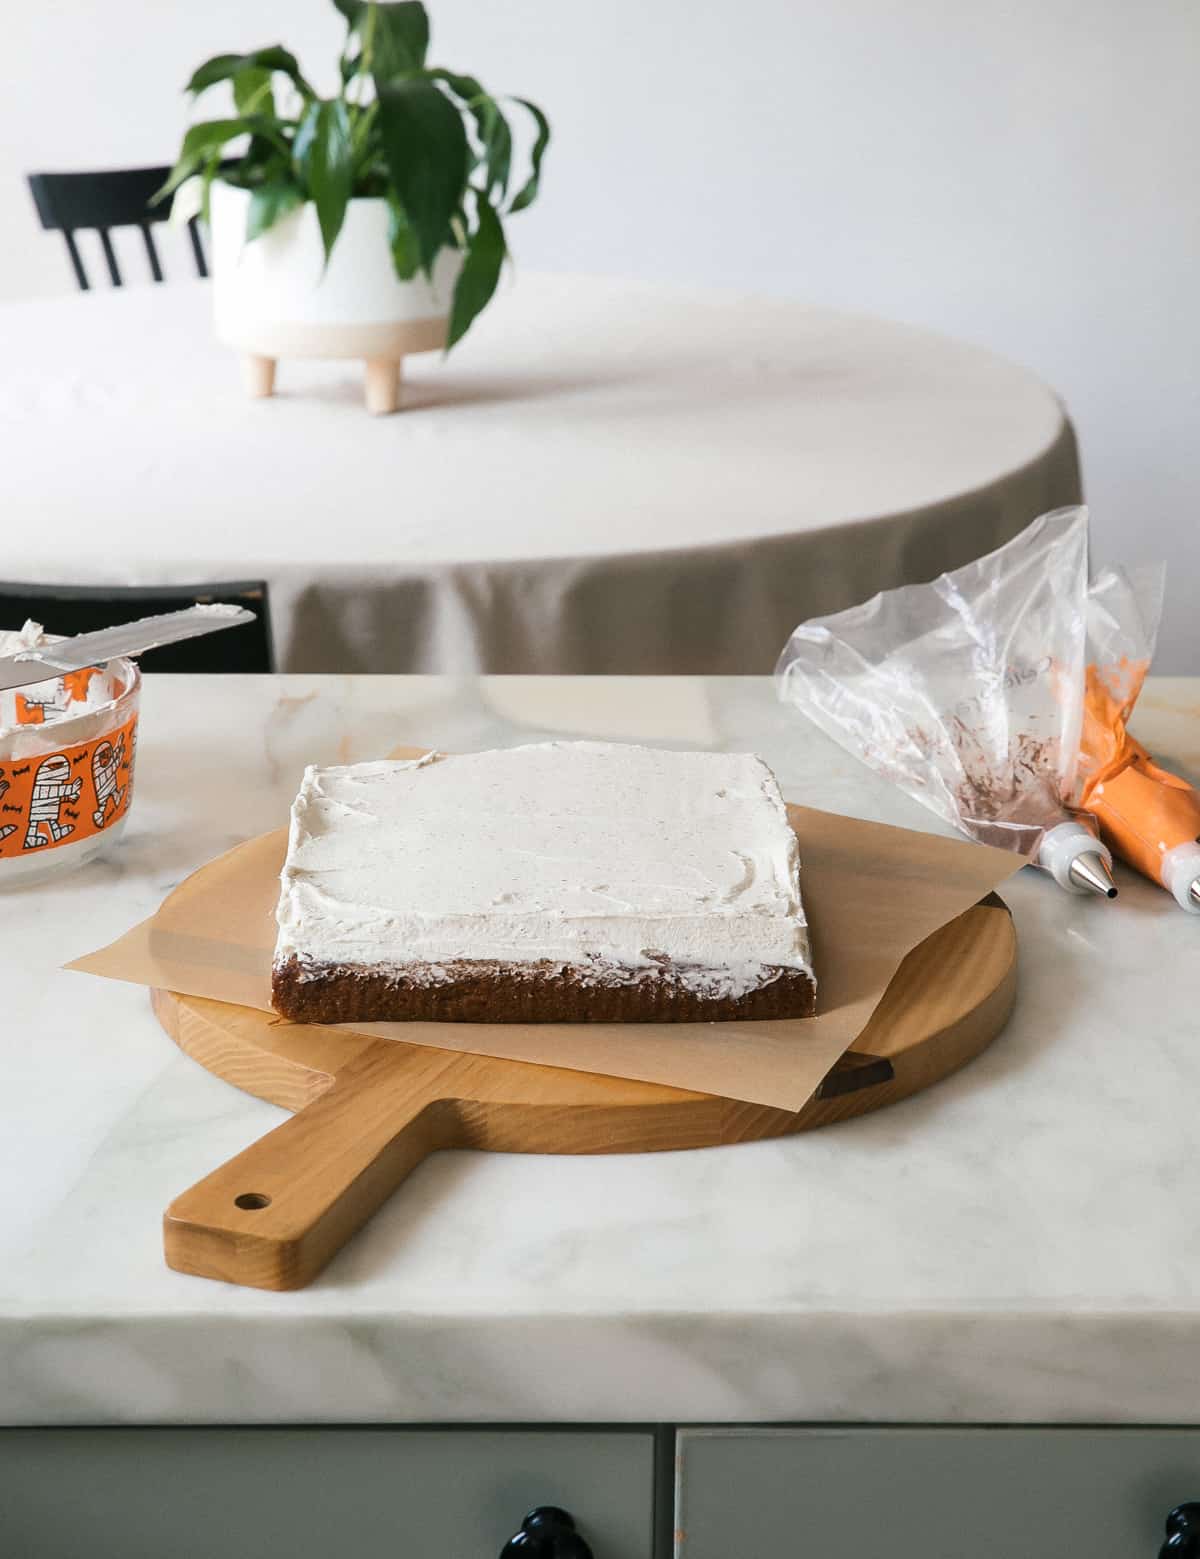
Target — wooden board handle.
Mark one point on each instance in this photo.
(275, 1214)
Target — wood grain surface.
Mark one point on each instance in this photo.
(368, 1110)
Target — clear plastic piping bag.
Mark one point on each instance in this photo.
(967, 693)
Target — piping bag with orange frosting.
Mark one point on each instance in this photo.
(968, 693)
(1147, 816)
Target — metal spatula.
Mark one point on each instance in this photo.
(93, 649)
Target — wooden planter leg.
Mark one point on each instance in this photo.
(383, 384)
(258, 374)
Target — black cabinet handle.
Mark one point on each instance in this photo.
(547, 1533)
(1183, 1533)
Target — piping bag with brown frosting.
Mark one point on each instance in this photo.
(968, 693)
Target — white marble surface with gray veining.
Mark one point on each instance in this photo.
(1019, 1243)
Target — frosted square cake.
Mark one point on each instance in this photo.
(566, 882)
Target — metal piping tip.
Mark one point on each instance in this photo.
(1089, 872)
(1194, 892)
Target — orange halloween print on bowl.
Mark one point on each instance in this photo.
(70, 688)
(62, 797)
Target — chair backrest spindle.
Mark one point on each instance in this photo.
(77, 262)
(193, 228)
(110, 257)
(151, 251)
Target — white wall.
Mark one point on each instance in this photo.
(1024, 174)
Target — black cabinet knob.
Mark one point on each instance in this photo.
(547, 1533)
(1183, 1533)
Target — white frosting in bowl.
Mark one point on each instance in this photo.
(63, 704)
(584, 853)
(31, 636)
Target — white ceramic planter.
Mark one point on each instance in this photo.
(274, 297)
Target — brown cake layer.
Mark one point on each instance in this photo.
(481, 992)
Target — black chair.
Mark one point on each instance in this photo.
(67, 202)
(71, 609)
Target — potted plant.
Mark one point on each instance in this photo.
(365, 225)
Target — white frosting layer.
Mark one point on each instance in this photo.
(13, 641)
(585, 853)
(58, 703)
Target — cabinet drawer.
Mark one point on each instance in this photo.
(314, 1493)
(930, 1493)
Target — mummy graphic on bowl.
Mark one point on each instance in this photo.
(6, 828)
(106, 764)
(53, 787)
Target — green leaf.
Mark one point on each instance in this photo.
(268, 203)
(498, 147)
(206, 195)
(361, 122)
(352, 10)
(468, 91)
(495, 137)
(224, 67)
(252, 91)
(395, 37)
(405, 256)
(425, 144)
(527, 194)
(264, 159)
(464, 87)
(480, 272)
(401, 39)
(207, 136)
(325, 163)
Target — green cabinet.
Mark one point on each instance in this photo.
(315, 1493)
(930, 1493)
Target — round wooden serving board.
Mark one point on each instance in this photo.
(368, 1110)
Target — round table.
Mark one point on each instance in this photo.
(606, 476)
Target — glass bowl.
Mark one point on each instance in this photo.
(67, 749)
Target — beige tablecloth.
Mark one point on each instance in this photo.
(605, 477)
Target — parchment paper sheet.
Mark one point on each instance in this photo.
(871, 894)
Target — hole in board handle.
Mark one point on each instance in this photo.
(252, 1201)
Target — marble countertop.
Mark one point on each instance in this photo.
(1016, 1244)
